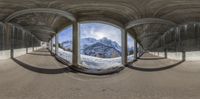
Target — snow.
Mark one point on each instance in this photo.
(91, 62)
(86, 42)
(131, 58)
(65, 55)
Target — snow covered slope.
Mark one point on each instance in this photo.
(104, 47)
(94, 62)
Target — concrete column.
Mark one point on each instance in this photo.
(11, 30)
(56, 44)
(76, 44)
(165, 51)
(26, 42)
(136, 50)
(124, 47)
(32, 41)
(7, 38)
(183, 56)
(51, 45)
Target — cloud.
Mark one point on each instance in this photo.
(65, 35)
(97, 31)
(130, 41)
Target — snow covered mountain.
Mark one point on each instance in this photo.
(86, 42)
(110, 43)
(67, 45)
(101, 50)
(104, 47)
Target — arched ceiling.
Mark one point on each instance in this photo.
(116, 11)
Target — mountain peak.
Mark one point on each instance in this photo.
(92, 43)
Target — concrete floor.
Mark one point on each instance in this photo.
(40, 76)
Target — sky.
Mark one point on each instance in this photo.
(97, 31)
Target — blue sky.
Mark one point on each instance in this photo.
(65, 35)
(97, 31)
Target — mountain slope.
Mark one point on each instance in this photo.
(101, 50)
(104, 48)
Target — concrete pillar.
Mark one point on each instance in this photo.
(6, 37)
(56, 44)
(183, 55)
(124, 47)
(32, 41)
(51, 45)
(136, 50)
(165, 51)
(76, 44)
(11, 30)
(26, 42)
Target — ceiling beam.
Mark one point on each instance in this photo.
(44, 29)
(149, 21)
(42, 38)
(41, 10)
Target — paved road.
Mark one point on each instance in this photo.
(40, 76)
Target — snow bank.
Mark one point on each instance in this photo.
(91, 62)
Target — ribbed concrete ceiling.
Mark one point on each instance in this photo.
(119, 12)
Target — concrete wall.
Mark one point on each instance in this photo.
(14, 37)
(5, 54)
(19, 52)
(22, 51)
(181, 41)
(188, 56)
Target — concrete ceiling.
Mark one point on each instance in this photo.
(120, 12)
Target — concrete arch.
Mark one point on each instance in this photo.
(40, 28)
(105, 20)
(41, 10)
(149, 21)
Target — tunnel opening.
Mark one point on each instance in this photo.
(99, 48)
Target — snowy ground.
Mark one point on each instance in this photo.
(94, 62)
(65, 55)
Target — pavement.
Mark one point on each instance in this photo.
(39, 75)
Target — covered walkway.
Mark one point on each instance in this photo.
(38, 75)
(100, 49)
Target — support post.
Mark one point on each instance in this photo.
(136, 50)
(76, 44)
(124, 47)
(51, 45)
(11, 30)
(56, 44)
(165, 51)
(26, 42)
(32, 41)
